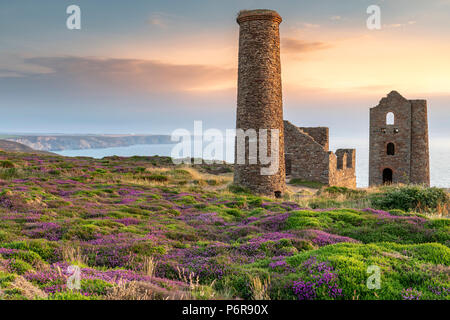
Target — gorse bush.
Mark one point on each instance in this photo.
(409, 198)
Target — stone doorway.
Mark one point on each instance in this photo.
(387, 176)
(288, 164)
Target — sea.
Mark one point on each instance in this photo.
(439, 156)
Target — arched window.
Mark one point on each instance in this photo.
(390, 149)
(390, 118)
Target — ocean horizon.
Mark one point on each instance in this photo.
(439, 155)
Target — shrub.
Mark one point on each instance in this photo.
(234, 212)
(187, 200)
(4, 235)
(411, 294)
(397, 212)
(238, 189)
(95, 286)
(324, 203)
(19, 266)
(43, 248)
(240, 203)
(321, 282)
(156, 177)
(402, 266)
(82, 232)
(6, 278)
(412, 197)
(172, 212)
(306, 219)
(349, 193)
(255, 202)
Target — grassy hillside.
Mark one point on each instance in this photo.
(6, 145)
(142, 228)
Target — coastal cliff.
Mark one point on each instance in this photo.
(78, 142)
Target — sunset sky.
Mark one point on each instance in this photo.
(154, 66)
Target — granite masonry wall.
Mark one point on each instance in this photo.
(259, 99)
(420, 154)
(307, 159)
(319, 134)
(343, 173)
(310, 160)
(408, 158)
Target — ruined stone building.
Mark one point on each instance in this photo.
(259, 106)
(308, 158)
(398, 151)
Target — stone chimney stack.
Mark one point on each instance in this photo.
(259, 100)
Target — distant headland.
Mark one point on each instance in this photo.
(60, 142)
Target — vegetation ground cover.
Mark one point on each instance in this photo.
(143, 228)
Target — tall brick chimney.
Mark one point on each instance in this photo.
(259, 100)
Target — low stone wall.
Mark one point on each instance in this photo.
(342, 168)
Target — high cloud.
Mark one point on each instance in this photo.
(295, 46)
(132, 74)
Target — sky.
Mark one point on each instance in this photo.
(154, 66)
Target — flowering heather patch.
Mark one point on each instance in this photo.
(386, 215)
(322, 282)
(271, 236)
(21, 217)
(322, 238)
(142, 220)
(8, 252)
(411, 294)
(280, 264)
(202, 218)
(272, 222)
(47, 230)
(440, 291)
(55, 279)
(128, 221)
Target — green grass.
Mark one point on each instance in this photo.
(304, 183)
